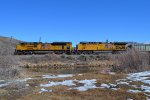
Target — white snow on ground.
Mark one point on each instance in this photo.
(105, 86)
(129, 99)
(44, 90)
(114, 88)
(65, 83)
(85, 84)
(88, 84)
(80, 74)
(109, 86)
(3, 85)
(126, 83)
(23, 80)
(112, 85)
(147, 98)
(27, 85)
(134, 91)
(2, 80)
(143, 77)
(58, 76)
(134, 86)
(145, 88)
(112, 73)
(139, 76)
(146, 81)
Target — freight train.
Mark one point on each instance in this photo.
(66, 47)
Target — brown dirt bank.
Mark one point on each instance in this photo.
(53, 61)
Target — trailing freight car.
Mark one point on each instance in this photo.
(140, 47)
(101, 47)
(43, 48)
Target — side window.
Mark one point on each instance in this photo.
(43, 45)
(68, 47)
(62, 47)
(22, 44)
(77, 47)
(35, 45)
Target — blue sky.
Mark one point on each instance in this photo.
(76, 20)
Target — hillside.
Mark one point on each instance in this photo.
(7, 45)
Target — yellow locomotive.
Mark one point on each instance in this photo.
(66, 47)
(101, 47)
(42, 48)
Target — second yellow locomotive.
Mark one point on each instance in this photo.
(101, 47)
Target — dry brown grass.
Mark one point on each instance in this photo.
(62, 92)
(96, 94)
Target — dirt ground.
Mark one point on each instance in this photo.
(30, 89)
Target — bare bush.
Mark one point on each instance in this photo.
(132, 61)
(8, 70)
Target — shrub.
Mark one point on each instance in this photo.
(132, 61)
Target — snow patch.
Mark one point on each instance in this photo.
(147, 98)
(114, 89)
(58, 76)
(129, 99)
(44, 90)
(126, 83)
(65, 83)
(3, 85)
(112, 73)
(145, 88)
(112, 85)
(143, 77)
(23, 80)
(80, 74)
(88, 84)
(134, 91)
(2, 80)
(139, 76)
(109, 86)
(27, 85)
(105, 86)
